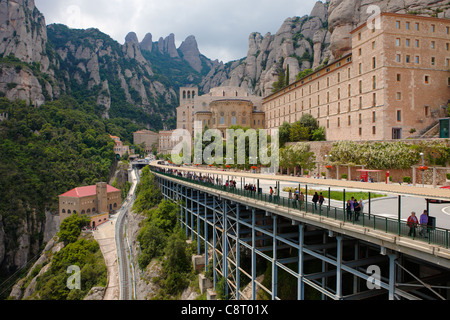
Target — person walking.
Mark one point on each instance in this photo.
(412, 224)
(424, 224)
(302, 199)
(270, 194)
(321, 199)
(357, 209)
(315, 200)
(349, 210)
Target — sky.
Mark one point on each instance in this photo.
(221, 28)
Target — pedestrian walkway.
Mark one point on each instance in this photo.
(105, 236)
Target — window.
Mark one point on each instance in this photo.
(374, 100)
(427, 79)
(399, 77)
(359, 36)
(374, 80)
(417, 43)
(433, 28)
(447, 62)
(373, 45)
(360, 118)
(360, 51)
(433, 61)
(399, 96)
(433, 45)
(417, 59)
(397, 24)
(349, 90)
(427, 111)
(222, 120)
(360, 68)
(360, 86)
(417, 26)
(374, 130)
(398, 58)
(349, 120)
(360, 131)
(407, 25)
(374, 62)
(399, 115)
(397, 42)
(339, 122)
(407, 42)
(374, 117)
(408, 58)
(447, 30)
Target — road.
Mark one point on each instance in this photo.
(126, 268)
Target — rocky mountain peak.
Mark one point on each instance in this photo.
(191, 53)
(147, 42)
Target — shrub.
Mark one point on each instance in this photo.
(407, 179)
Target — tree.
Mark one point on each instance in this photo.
(299, 132)
(71, 228)
(284, 133)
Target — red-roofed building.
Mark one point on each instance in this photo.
(96, 201)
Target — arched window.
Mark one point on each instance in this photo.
(184, 94)
(63, 211)
(115, 205)
(83, 212)
(93, 210)
(69, 212)
(88, 211)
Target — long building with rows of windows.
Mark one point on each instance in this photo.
(394, 84)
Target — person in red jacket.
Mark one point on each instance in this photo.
(412, 224)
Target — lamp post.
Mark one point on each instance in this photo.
(423, 171)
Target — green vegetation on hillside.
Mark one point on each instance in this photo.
(78, 251)
(45, 152)
(160, 238)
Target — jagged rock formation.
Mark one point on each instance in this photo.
(191, 54)
(292, 45)
(309, 42)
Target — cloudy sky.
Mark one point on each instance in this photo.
(221, 27)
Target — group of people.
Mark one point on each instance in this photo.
(297, 198)
(354, 208)
(250, 187)
(414, 223)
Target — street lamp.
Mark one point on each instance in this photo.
(423, 171)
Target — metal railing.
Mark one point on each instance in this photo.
(433, 235)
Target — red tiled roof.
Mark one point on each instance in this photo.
(82, 192)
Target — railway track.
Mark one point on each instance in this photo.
(124, 253)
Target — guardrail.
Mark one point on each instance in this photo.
(435, 236)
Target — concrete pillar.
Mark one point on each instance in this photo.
(339, 267)
(300, 284)
(274, 260)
